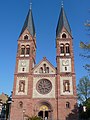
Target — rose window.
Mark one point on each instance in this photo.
(44, 86)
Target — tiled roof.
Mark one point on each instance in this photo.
(29, 24)
(62, 22)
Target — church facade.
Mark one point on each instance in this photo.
(42, 89)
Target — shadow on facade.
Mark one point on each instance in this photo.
(74, 114)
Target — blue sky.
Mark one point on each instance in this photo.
(45, 13)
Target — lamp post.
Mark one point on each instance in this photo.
(9, 102)
(84, 109)
(23, 113)
(9, 107)
(0, 107)
(85, 114)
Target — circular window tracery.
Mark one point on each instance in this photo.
(44, 86)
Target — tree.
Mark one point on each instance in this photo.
(87, 104)
(85, 114)
(86, 47)
(83, 89)
(34, 118)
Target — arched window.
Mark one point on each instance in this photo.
(67, 48)
(22, 50)
(65, 68)
(67, 105)
(62, 48)
(26, 37)
(23, 69)
(27, 50)
(41, 70)
(63, 35)
(47, 70)
(21, 104)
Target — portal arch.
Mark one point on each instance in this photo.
(44, 110)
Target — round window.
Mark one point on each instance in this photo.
(44, 86)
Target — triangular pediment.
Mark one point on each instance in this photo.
(44, 67)
(26, 32)
(64, 30)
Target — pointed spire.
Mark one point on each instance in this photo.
(62, 22)
(30, 5)
(62, 3)
(29, 23)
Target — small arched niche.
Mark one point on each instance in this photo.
(26, 37)
(64, 35)
(67, 105)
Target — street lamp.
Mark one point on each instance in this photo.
(23, 113)
(0, 107)
(84, 109)
(9, 102)
(9, 107)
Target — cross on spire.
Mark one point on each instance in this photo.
(29, 22)
(30, 4)
(62, 3)
(63, 22)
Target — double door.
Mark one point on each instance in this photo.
(44, 115)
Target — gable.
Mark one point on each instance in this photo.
(44, 67)
(64, 30)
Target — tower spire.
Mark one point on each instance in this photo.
(30, 4)
(29, 22)
(62, 3)
(62, 22)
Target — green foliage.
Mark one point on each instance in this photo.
(82, 114)
(86, 48)
(83, 89)
(87, 104)
(34, 118)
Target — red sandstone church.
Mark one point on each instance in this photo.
(42, 89)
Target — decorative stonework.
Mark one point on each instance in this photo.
(50, 94)
(21, 86)
(44, 86)
(64, 42)
(65, 65)
(66, 86)
(44, 68)
(25, 43)
(63, 33)
(26, 37)
(23, 66)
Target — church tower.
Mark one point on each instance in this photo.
(25, 61)
(42, 89)
(66, 81)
